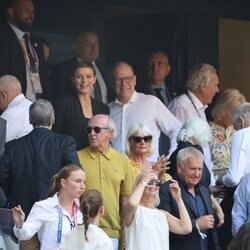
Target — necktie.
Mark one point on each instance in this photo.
(160, 94)
(28, 49)
(97, 91)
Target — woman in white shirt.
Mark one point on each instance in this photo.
(146, 227)
(54, 217)
(89, 236)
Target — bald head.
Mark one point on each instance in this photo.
(10, 87)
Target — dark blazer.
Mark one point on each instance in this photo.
(70, 120)
(192, 240)
(61, 82)
(29, 163)
(12, 61)
(2, 135)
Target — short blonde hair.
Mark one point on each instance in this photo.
(227, 101)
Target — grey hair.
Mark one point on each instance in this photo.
(200, 73)
(112, 126)
(134, 129)
(41, 113)
(243, 111)
(196, 129)
(186, 153)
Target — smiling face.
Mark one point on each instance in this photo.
(151, 190)
(84, 80)
(74, 185)
(124, 82)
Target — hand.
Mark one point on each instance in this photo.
(18, 216)
(147, 176)
(205, 222)
(175, 190)
(161, 165)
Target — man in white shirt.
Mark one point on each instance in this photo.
(15, 106)
(202, 85)
(240, 148)
(130, 107)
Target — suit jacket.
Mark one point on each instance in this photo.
(61, 79)
(2, 135)
(12, 61)
(29, 163)
(192, 240)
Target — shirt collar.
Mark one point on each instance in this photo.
(55, 200)
(198, 104)
(15, 100)
(94, 154)
(157, 87)
(132, 99)
(19, 33)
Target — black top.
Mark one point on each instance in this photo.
(206, 176)
(70, 120)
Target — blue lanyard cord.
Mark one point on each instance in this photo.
(59, 228)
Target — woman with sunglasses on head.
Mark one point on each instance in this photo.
(73, 112)
(88, 235)
(139, 146)
(54, 217)
(147, 227)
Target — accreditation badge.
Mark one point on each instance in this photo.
(36, 83)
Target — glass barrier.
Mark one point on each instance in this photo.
(7, 239)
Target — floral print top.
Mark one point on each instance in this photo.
(220, 146)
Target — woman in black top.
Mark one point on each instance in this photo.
(73, 112)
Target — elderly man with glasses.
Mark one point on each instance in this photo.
(131, 107)
(108, 171)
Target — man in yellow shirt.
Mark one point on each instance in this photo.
(108, 171)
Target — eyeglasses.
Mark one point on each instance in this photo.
(154, 182)
(96, 129)
(138, 139)
(127, 79)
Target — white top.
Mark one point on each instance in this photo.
(149, 230)
(97, 239)
(182, 107)
(17, 117)
(239, 158)
(43, 219)
(146, 109)
(241, 207)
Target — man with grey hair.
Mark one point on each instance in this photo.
(197, 200)
(108, 171)
(240, 148)
(29, 162)
(15, 106)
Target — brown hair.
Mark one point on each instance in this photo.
(83, 64)
(64, 173)
(91, 201)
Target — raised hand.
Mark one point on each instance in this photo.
(18, 216)
(175, 190)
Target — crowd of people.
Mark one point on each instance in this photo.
(88, 162)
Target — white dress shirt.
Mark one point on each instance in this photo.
(146, 109)
(239, 158)
(183, 108)
(43, 220)
(17, 117)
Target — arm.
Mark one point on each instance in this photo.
(182, 225)
(218, 210)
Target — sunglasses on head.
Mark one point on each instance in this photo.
(154, 182)
(137, 139)
(96, 129)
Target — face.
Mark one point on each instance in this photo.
(84, 80)
(209, 90)
(74, 185)
(139, 148)
(124, 82)
(87, 47)
(99, 140)
(158, 68)
(22, 14)
(191, 171)
(151, 190)
(3, 100)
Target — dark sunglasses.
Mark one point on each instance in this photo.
(138, 139)
(154, 182)
(97, 130)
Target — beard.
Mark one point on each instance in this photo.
(23, 25)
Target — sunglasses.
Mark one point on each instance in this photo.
(154, 182)
(96, 129)
(138, 139)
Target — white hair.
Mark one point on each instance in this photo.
(186, 153)
(243, 111)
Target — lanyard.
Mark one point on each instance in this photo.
(191, 100)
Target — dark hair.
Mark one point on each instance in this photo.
(83, 64)
(64, 173)
(91, 201)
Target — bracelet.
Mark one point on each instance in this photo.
(144, 183)
(203, 236)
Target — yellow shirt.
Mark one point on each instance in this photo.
(111, 174)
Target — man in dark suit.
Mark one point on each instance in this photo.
(2, 142)
(86, 48)
(22, 54)
(197, 200)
